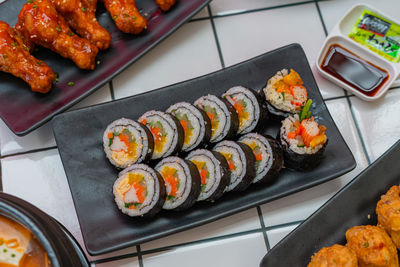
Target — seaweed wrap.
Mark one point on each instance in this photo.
(127, 142)
(285, 94)
(223, 117)
(249, 107)
(303, 140)
(195, 123)
(167, 133)
(139, 191)
(241, 162)
(214, 173)
(182, 182)
(268, 154)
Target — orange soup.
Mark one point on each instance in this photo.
(18, 247)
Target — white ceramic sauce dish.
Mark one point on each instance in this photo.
(339, 36)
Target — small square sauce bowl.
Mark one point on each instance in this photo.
(354, 66)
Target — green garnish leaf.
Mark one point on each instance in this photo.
(125, 15)
(133, 17)
(58, 28)
(14, 44)
(34, 6)
(29, 1)
(83, 9)
(114, 17)
(40, 62)
(71, 83)
(5, 56)
(365, 245)
(334, 261)
(305, 112)
(71, 34)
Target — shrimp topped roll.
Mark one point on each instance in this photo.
(303, 140)
(285, 93)
(388, 211)
(334, 256)
(373, 246)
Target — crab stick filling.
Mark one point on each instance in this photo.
(158, 132)
(291, 88)
(123, 145)
(204, 173)
(308, 133)
(172, 183)
(240, 106)
(133, 190)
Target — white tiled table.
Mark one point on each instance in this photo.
(224, 33)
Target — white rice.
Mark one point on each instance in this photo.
(121, 159)
(184, 177)
(252, 108)
(287, 126)
(263, 166)
(223, 114)
(195, 118)
(277, 99)
(152, 185)
(214, 179)
(169, 126)
(239, 159)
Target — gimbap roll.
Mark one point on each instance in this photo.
(214, 173)
(195, 123)
(303, 140)
(285, 93)
(223, 117)
(241, 162)
(139, 191)
(182, 182)
(127, 142)
(248, 105)
(167, 133)
(268, 154)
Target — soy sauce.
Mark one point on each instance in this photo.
(353, 70)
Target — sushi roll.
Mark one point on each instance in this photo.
(303, 140)
(127, 142)
(223, 117)
(214, 173)
(285, 94)
(241, 162)
(249, 107)
(139, 191)
(195, 123)
(182, 182)
(268, 154)
(167, 133)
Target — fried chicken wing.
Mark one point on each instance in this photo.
(388, 211)
(126, 16)
(16, 59)
(80, 15)
(40, 23)
(165, 5)
(334, 256)
(373, 246)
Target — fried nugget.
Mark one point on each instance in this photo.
(373, 246)
(388, 211)
(334, 256)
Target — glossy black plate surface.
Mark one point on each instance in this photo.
(353, 205)
(91, 176)
(24, 111)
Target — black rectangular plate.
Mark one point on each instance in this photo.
(24, 111)
(91, 176)
(353, 205)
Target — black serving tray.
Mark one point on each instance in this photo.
(79, 138)
(23, 110)
(353, 205)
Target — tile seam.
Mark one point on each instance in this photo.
(261, 218)
(221, 58)
(32, 151)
